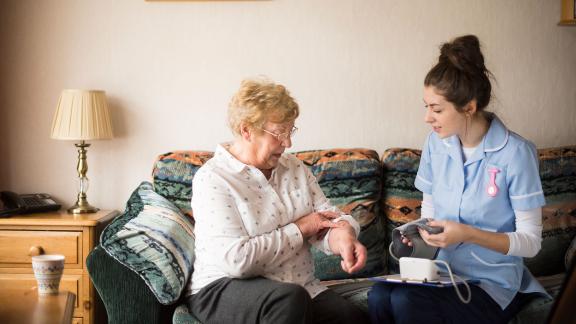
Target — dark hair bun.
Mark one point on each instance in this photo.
(464, 54)
(460, 74)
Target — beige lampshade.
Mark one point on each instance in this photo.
(82, 115)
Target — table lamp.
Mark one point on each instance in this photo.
(82, 115)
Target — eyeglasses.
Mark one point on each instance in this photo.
(284, 136)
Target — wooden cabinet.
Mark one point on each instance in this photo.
(568, 15)
(73, 236)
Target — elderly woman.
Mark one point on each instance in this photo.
(257, 212)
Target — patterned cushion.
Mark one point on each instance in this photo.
(401, 200)
(173, 173)
(182, 315)
(558, 175)
(155, 240)
(351, 179)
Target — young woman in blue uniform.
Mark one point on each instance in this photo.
(480, 182)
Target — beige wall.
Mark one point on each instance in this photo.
(169, 68)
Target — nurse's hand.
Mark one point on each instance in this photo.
(453, 233)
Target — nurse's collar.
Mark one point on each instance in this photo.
(496, 137)
(494, 140)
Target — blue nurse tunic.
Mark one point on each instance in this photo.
(501, 176)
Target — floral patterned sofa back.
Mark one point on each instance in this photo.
(380, 194)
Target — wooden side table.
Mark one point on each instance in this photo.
(25, 306)
(73, 236)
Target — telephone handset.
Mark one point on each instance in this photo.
(13, 203)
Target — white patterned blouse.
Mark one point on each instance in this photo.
(245, 222)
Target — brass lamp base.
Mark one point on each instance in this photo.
(82, 206)
(82, 209)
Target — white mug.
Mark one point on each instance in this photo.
(48, 270)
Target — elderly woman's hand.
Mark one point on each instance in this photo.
(316, 223)
(343, 242)
(353, 256)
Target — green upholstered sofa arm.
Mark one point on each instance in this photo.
(125, 295)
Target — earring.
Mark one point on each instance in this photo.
(467, 114)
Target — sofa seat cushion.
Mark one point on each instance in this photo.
(183, 316)
(536, 311)
(155, 240)
(558, 232)
(354, 290)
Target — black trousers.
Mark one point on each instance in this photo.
(260, 300)
(400, 304)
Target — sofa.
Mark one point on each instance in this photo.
(377, 190)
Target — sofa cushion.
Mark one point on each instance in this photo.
(558, 229)
(535, 311)
(182, 315)
(173, 173)
(558, 176)
(401, 200)
(353, 290)
(558, 173)
(155, 240)
(351, 180)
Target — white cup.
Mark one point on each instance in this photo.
(48, 270)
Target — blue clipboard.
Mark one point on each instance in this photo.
(443, 281)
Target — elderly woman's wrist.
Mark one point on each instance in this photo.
(342, 236)
(347, 229)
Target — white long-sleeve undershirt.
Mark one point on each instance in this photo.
(526, 241)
